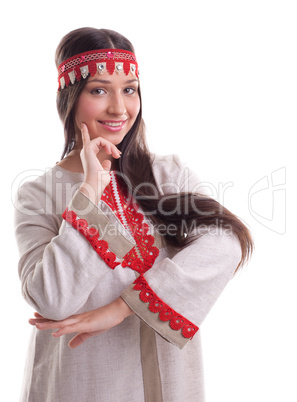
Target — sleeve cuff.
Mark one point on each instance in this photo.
(158, 315)
(91, 222)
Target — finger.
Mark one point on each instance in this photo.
(37, 315)
(70, 329)
(106, 165)
(34, 321)
(85, 134)
(109, 148)
(57, 324)
(103, 143)
(116, 153)
(43, 325)
(79, 339)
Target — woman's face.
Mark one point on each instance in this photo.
(108, 105)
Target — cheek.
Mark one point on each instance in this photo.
(135, 108)
(86, 109)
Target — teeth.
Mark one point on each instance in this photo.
(113, 124)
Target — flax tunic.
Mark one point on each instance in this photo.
(143, 358)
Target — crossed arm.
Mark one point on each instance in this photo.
(104, 318)
(87, 324)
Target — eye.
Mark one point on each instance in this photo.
(97, 91)
(129, 91)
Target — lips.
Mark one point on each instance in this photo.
(113, 125)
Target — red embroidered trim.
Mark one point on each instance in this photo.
(101, 60)
(92, 235)
(142, 257)
(156, 305)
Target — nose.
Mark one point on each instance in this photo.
(117, 105)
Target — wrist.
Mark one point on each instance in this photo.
(92, 190)
(123, 308)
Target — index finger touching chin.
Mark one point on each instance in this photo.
(85, 133)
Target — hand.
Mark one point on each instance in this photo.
(88, 324)
(96, 173)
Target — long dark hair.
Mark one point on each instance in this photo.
(135, 164)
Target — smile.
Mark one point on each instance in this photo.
(113, 125)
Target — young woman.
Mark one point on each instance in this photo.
(119, 253)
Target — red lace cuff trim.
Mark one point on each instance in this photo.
(156, 305)
(141, 257)
(92, 235)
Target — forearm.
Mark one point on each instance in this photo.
(58, 280)
(88, 324)
(92, 190)
(123, 307)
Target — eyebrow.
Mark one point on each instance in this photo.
(109, 82)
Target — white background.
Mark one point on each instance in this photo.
(219, 88)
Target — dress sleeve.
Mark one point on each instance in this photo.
(57, 267)
(177, 293)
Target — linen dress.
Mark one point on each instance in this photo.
(76, 256)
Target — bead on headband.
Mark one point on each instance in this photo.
(83, 64)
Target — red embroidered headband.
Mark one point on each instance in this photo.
(83, 64)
